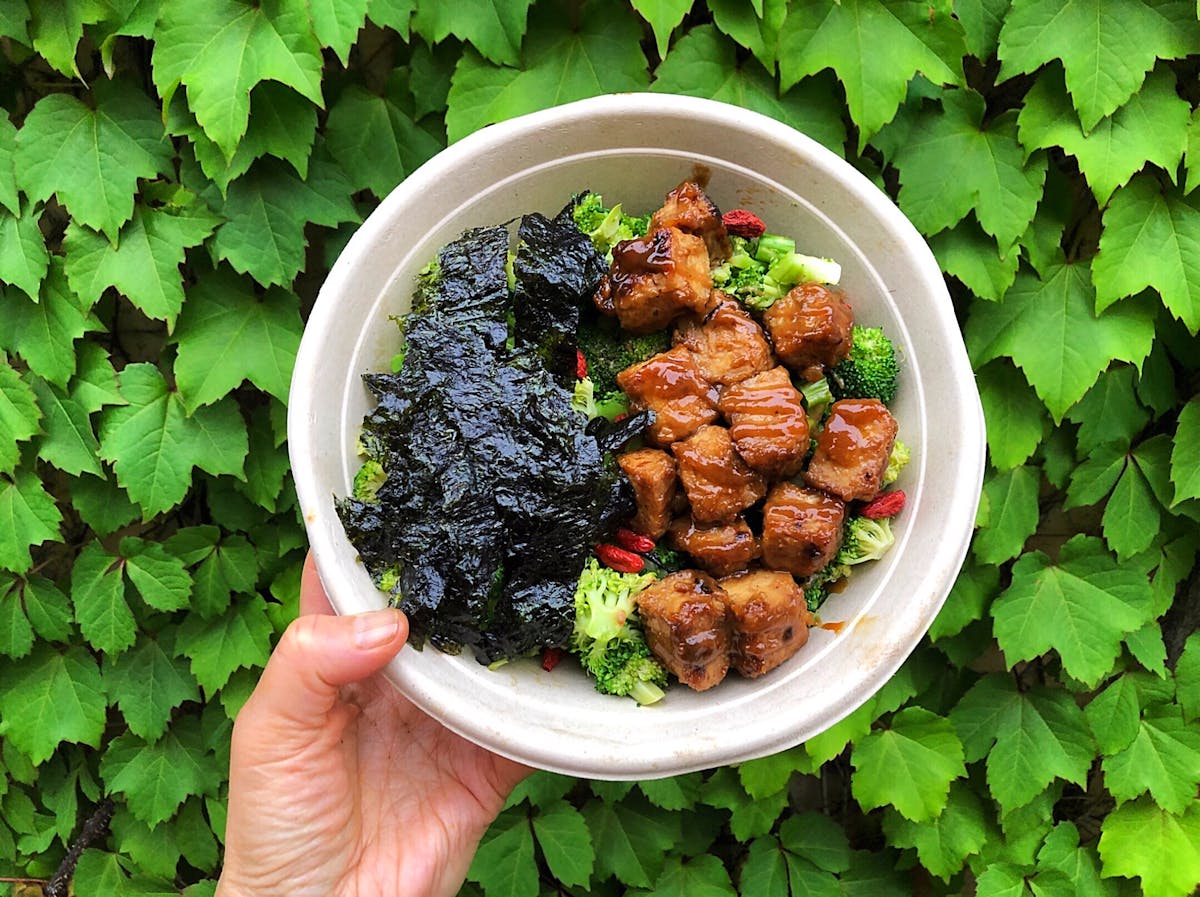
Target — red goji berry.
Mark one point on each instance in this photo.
(580, 365)
(551, 657)
(887, 505)
(619, 559)
(741, 223)
(627, 538)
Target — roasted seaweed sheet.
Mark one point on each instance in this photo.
(495, 491)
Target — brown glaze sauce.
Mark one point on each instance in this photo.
(847, 432)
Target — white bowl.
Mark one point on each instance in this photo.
(633, 148)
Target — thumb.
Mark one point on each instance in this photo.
(317, 655)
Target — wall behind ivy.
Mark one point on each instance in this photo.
(175, 180)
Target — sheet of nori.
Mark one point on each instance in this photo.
(495, 492)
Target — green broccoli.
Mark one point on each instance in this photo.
(606, 227)
(663, 561)
(608, 351)
(899, 457)
(816, 397)
(870, 371)
(760, 271)
(607, 637)
(863, 540)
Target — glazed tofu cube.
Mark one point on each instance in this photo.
(654, 279)
(718, 483)
(802, 529)
(686, 623)
(651, 472)
(770, 619)
(720, 548)
(810, 328)
(729, 346)
(767, 422)
(853, 450)
(670, 385)
(688, 208)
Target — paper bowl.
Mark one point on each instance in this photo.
(633, 148)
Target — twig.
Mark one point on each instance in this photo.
(93, 829)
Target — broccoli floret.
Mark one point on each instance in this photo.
(663, 561)
(583, 399)
(816, 395)
(606, 227)
(607, 637)
(870, 371)
(608, 351)
(771, 247)
(368, 480)
(629, 668)
(896, 460)
(794, 268)
(865, 540)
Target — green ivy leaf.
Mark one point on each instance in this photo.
(156, 778)
(69, 442)
(1110, 412)
(50, 697)
(98, 593)
(755, 29)
(266, 211)
(631, 839)
(1013, 497)
(1163, 759)
(16, 632)
(1131, 515)
(1185, 454)
(970, 595)
(375, 141)
(771, 774)
(8, 147)
(95, 384)
(144, 265)
(559, 64)
(504, 862)
(337, 22)
(1082, 607)
(56, 29)
(1142, 219)
(1067, 870)
(48, 609)
(675, 793)
(702, 876)
(818, 839)
(562, 834)
(944, 843)
(1105, 52)
(1187, 677)
(23, 257)
(1029, 738)
(1015, 416)
(1149, 128)
(1062, 301)
(20, 416)
(981, 21)
(148, 683)
(664, 17)
(966, 252)
(952, 164)
(1114, 716)
(905, 39)
(764, 873)
(160, 578)
(909, 766)
(1142, 840)
(102, 504)
(227, 335)
(91, 159)
(493, 27)
(220, 52)
(703, 63)
(153, 445)
(1001, 880)
(28, 517)
(1192, 153)
(241, 637)
(394, 14)
(226, 565)
(44, 333)
(748, 818)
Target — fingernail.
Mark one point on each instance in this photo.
(376, 628)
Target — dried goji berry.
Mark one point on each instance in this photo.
(619, 559)
(741, 223)
(627, 538)
(580, 365)
(550, 658)
(887, 505)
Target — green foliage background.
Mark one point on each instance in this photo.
(176, 178)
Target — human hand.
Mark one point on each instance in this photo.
(338, 785)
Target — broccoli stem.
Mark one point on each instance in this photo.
(774, 246)
(646, 693)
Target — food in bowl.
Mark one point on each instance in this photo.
(741, 417)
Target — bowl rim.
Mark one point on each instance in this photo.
(304, 388)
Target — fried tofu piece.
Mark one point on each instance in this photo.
(721, 548)
(688, 208)
(729, 346)
(687, 626)
(654, 279)
(651, 472)
(770, 619)
(802, 529)
(670, 385)
(853, 450)
(767, 422)
(718, 483)
(810, 328)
